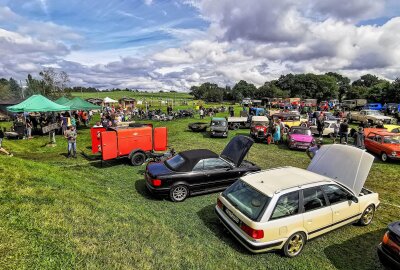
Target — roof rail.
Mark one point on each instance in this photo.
(300, 186)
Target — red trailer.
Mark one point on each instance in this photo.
(136, 143)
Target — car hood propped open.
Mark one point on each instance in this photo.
(236, 149)
(347, 165)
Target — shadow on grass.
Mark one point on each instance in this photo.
(211, 221)
(356, 253)
(140, 186)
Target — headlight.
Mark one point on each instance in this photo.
(394, 154)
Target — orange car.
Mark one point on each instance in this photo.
(383, 143)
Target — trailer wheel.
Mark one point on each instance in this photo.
(138, 159)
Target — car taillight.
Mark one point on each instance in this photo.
(219, 203)
(390, 243)
(156, 182)
(253, 233)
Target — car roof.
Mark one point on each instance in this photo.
(192, 157)
(198, 154)
(274, 180)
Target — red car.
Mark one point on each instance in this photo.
(383, 143)
(259, 130)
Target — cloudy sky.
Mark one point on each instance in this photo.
(174, 44)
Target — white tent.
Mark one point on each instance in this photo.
(109, 100)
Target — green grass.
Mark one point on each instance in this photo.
(59, 213)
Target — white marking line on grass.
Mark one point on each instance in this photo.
(395, 205)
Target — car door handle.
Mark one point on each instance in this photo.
(309, 221)
(337, 212)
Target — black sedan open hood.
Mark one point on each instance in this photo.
(236, 149)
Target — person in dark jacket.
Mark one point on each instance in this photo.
(344, 131)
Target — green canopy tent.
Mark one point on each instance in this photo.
(62, 100)
(37, 103)
(78, 103)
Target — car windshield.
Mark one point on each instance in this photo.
(175, 162)
(218, 123)
(373, 113)
(392, 139)
(246, 199)
(301, 131)
(260, 124)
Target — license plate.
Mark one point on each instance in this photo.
(232, 216)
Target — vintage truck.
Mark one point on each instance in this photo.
(371, 116)
(353, 104)
(239, 122)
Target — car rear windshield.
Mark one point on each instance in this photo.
(246, 199)
(175, 162)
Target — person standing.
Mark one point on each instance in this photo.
(28, 124)
(359, 138)
(320, 125)
(231, 111)
(277, 133)
(336, 127)
(344, 131)
(1, 144)
(282, 128)
(201, 113)
(71, 135)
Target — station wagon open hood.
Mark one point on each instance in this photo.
(347, 165)
(236, 149)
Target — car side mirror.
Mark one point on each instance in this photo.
(352, 198)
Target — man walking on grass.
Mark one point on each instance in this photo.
(71, 135)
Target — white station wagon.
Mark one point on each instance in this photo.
(282, 208)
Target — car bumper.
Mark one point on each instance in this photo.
(157, 191)
(387, 259)
(255, 247)
(299, 146)
(218, 134)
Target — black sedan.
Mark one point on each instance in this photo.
(389, 248)
(200, 171)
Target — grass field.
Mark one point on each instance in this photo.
(59, 213)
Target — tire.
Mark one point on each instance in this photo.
(138, 158)
(178, 193)
(294, 245)
(384, 157)
(367, 215)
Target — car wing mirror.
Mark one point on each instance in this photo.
(352, 198)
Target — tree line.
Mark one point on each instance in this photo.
(321, 87)
(54, 84)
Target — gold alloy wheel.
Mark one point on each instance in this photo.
(368, 215)
(295, 244)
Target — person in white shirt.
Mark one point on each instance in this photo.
(336, 127)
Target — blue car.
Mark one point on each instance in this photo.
(373, 106)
